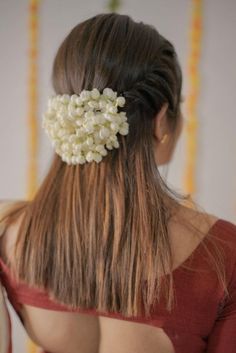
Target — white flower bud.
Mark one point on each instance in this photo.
(72, 113)
(114, 127)
(79, 133)
(108, 116)
(95, 94)
(125, 125)
(79, 122)
(63, 123)
(102, 119)
(99, 148)
(66, 155)
(108, 92)
(80, 159)
(71, 118)
(96, 119)
(87, 107)
(78, 101)
(120, 101)
(89, 141)
(122, 116)
(116, 144)
(72, 138)
(97, 157)
(104, 133)
(89, 115)
(73, 98)
(104, 152)
(119, 119)
(73, 160)
(65, 99)
(112, 109)
(57, 125)
(60, 99)
(80, 111)
(89, 127)
(61, 133)
(93, 104)
(102, 104)
(124, 131)
(109, 146)
(85, 95)
(65, 147)
(96, 137)
(89, 156)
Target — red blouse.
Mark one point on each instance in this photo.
(203, 320)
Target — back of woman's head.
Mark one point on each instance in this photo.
(95, 233)
(111, 50)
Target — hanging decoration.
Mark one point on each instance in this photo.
(113, 5)
(192, 96)
(32, 121)
(32, 99)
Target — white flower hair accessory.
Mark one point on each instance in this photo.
(83, 127)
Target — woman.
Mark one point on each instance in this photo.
(106, 258)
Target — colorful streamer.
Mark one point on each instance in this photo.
(192, 97)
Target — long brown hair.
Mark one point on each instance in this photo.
(95, 233)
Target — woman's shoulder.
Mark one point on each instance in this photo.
(225, 230)
(226, 226)
(221, 229)
(202, 227)
(209, 223)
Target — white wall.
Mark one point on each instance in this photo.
(216, 164)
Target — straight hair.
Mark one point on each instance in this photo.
(96, 235)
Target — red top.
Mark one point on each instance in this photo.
(203, 321)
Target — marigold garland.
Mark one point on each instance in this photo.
(32, 114)
(113, 5)
(32, 99)
(192, 97)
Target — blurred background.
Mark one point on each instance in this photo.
(203, 33)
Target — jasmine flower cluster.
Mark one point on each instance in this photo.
(82, 128)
